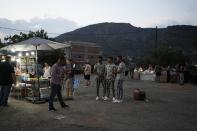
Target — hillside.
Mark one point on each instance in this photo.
(125, 39)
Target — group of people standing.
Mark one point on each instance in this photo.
(106, 74)
(180, 72)
(62, 74)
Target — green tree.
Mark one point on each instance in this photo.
(195, 43)
(22, 36)
(1, 44)
(166, 56)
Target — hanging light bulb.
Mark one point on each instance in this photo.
(19, 54)
(27, 54)
(32, 53)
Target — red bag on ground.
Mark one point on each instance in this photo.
(139, 95)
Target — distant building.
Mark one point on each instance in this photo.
(83, 51)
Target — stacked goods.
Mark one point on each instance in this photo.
(163, 77)
(174, 77)
(136, 75)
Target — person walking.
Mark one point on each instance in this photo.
(110, 78)
(7, 78)
(99, 69)
(120, 77)
(56, 82)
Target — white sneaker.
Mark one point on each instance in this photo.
(113, 99)
(120, 101)
(103, 97)
(106, 98)
(97, 98)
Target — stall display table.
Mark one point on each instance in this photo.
(20, 91)
(147, 75)
(39, 90)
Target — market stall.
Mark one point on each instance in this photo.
(27, 67)
(27, 79)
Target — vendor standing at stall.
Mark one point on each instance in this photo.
(56, 83)
(47, 71)
(7, 78)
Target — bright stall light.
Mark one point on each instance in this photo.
(13, 59)
(27, 54)
(12, 50)
(19, 54)
(32, 53)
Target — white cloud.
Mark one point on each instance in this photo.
(51, 25)
(1, 36)
(165, 21)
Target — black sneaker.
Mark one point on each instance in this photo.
(65, 106)
(52, 109)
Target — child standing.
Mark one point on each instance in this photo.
(87, 73)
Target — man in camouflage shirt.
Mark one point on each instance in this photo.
(110, 78)
(99, 69)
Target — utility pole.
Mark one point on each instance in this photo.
(156, 32)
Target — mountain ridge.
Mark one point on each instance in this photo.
(126, 39)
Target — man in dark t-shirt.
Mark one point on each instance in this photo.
(7, 78)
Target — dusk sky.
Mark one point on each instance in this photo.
(60, 16)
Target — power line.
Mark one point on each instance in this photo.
(7, 28)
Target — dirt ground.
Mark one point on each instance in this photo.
(171, 107)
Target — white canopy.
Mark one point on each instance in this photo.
(35, 43)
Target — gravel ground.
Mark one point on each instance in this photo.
(171, 107)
